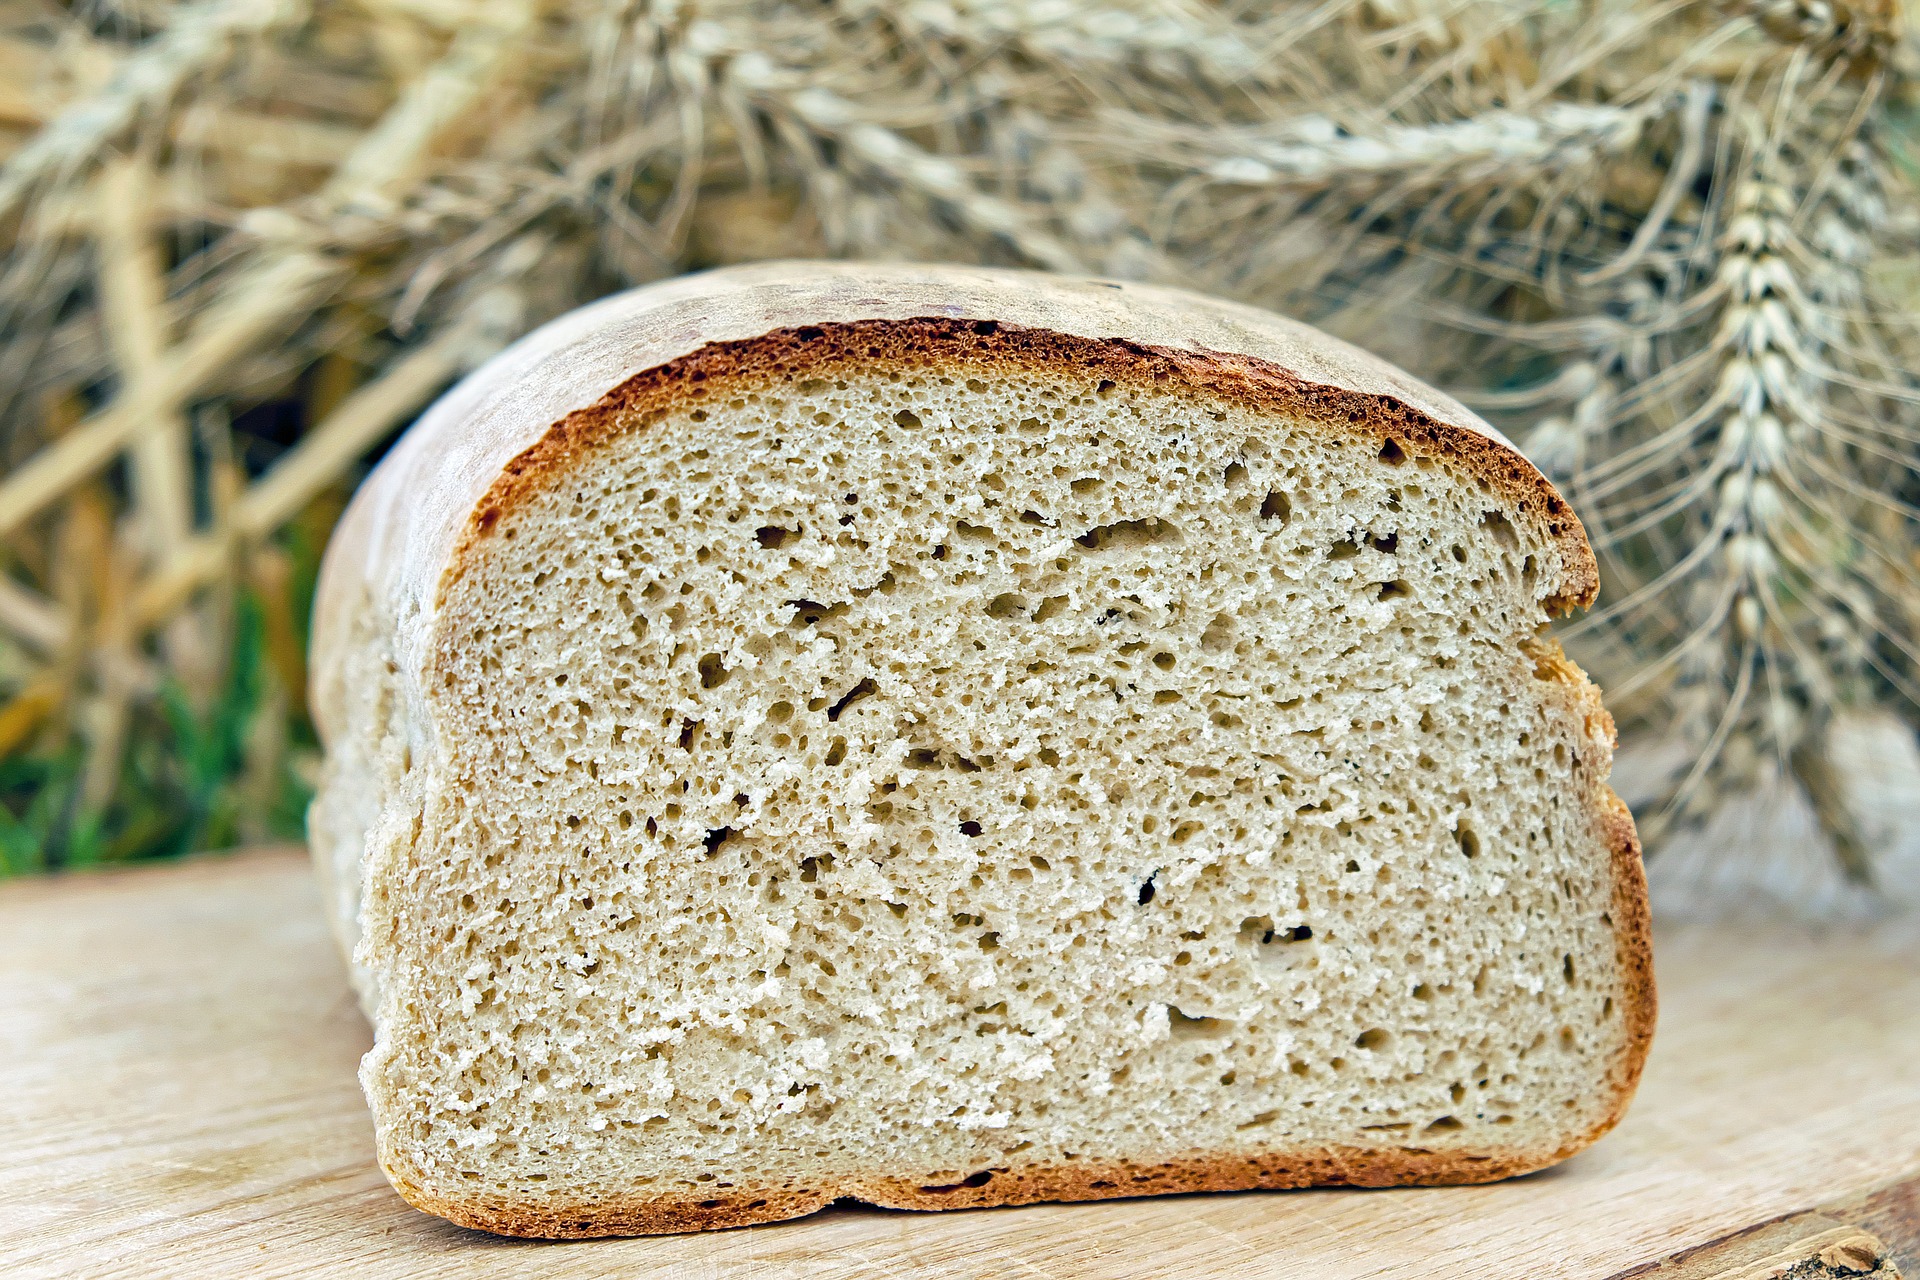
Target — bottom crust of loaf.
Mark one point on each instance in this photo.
(1088, 1180)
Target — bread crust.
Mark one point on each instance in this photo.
(995, 1187)
(381, 553)
(1633, 935)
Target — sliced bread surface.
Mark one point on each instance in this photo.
(949, 737)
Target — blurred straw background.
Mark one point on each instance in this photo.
(1671, 247)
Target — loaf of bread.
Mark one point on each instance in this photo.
(951, 737)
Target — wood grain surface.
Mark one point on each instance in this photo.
(177, 1097)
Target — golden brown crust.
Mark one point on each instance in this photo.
(786, 353)
(938, 340)
(991, 1188)
(658, 1216)
(1633, 929)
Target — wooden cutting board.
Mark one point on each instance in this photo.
(177, 1097)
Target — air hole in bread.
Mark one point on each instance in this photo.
(1007, 605)
(864, 689)
(1128, 535)
(1500, 529)
(1183, 1026)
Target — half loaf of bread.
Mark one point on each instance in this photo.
(954, 737)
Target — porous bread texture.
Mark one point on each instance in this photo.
(944, 763)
